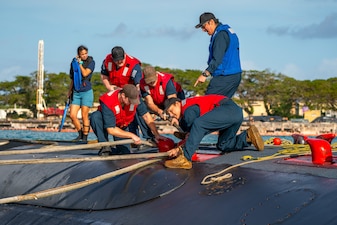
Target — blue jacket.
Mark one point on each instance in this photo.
(81, 84)
(231, 60)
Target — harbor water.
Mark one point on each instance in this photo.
(66, 136)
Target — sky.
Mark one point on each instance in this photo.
(297, 38)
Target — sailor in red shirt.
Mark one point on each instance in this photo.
(116, 111)
(203, 115)
(156, 87)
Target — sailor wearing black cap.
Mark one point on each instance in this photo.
(224, 60)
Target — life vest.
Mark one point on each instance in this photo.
(123, 75)
(81, 83)
(231, 60)
(124, 116)
(206, 103)
(158, 92)
(77, 78)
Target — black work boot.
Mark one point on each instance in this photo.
(85, 137)
(105, 151)
(85, 133)
(80, 136)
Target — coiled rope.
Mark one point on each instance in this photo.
(289, 150)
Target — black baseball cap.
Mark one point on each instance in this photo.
(117, 53)
(204, 18)
(169, 102)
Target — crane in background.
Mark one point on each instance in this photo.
(40, 103)
(41, 108)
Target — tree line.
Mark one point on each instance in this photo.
(279, 93)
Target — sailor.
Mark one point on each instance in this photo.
(203, 115)
(119, 69)
(116, 111)
(224, 59)
(156, 87)
(80, 91)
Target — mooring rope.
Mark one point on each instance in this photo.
(288, 151)
(60, 148)
(77, 185)
(82, 159)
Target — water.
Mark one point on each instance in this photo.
(66, 136)
(40, 135)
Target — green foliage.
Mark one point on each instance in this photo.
(56, 88)
(97, 86)
(279, 93)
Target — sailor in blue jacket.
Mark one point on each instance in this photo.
(224, 59)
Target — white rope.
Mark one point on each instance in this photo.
(77, 185)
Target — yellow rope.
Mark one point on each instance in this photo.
(270, 141)
(287, 151)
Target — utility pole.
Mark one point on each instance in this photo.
(40, 103)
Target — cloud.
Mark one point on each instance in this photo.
(325, 29)
(292, 70)
(328, 68)
(122, 30)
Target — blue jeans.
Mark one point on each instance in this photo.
(99, 126)
(226, 119)
(224, 85)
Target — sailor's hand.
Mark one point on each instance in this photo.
(136, 140)
(78, 59)
(69, 94)
(164, 116)
(174, 152)
(113, 87)
(174, 122)
(160, 138)
(201, 79)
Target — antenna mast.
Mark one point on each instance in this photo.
(40, 103)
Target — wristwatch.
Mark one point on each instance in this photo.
(205, 74)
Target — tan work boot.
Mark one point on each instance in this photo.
(254, 137)
(180, 162)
